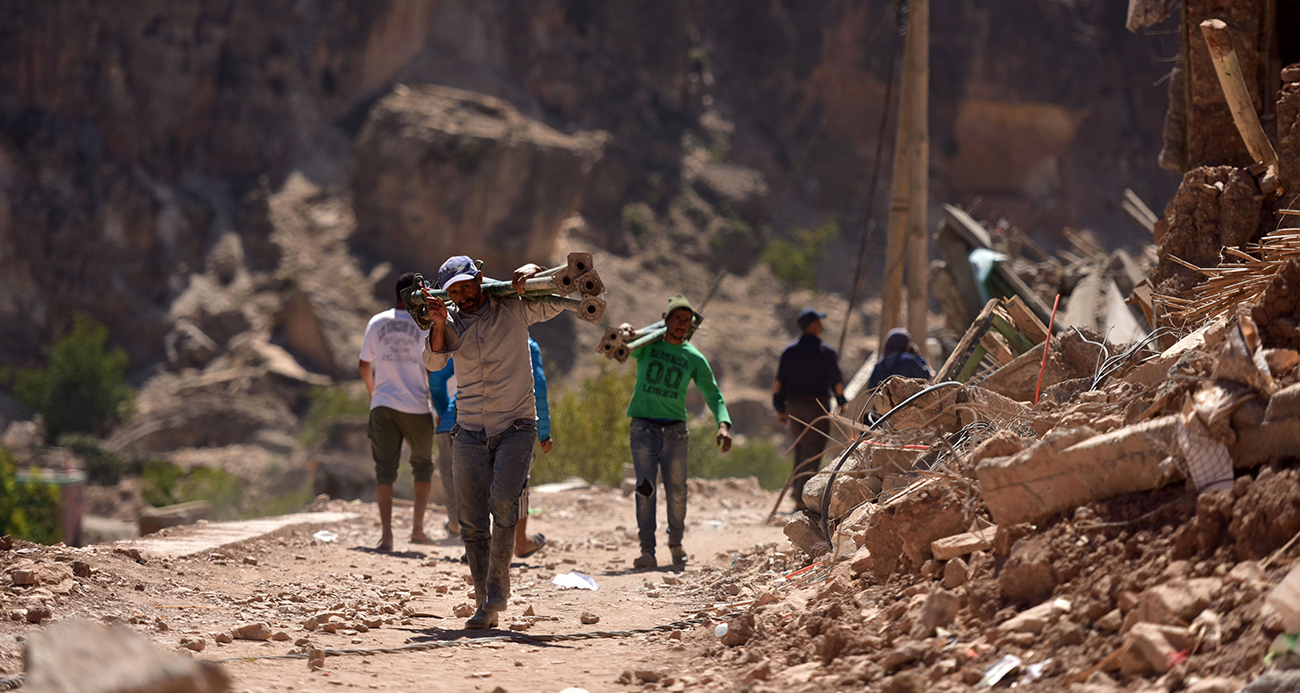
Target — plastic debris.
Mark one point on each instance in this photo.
(1033, 672)
(998, 671)
(325, 535)
(721, 630)
(575, 580)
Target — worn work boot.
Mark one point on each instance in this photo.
(645, 560)
(476, 554)
(679, 554)
(498, 577)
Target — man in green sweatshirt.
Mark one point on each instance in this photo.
(659, 435)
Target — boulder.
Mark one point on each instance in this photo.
(805, 535)
(439, 171)
(85, 657)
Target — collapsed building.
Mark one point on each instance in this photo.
(1098, 489)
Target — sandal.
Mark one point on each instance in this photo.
(540, 541)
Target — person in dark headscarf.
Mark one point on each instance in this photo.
(901, 358)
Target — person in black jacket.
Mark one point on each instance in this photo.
(901, 358)
(807, 375)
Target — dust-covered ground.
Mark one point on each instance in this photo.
(342, 595)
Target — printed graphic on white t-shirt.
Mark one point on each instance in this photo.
(392, 345)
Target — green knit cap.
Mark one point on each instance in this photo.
(678, 301)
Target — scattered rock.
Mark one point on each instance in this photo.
(805, 535)
(195, 644)
(316, 659)
(1027, 575)
(529, 611)
(909, 652)
(939, 610)
(36, 614)
(1033, 620)
(280, 636)
(739, 630)
(1154, 648)
(249, 560)
(253, 631)
(222, 638)
(1111, 622)
(1216, 685)
(647, 675)
(77, 655)
(954, 574)
(759, 672)
(589, 618)
(25, 578)
(463, 610)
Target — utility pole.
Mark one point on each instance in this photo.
(906, 245)
(917, 71)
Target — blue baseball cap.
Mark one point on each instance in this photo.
(456, 269)
(807, 315)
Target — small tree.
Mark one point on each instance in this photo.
(28, 510)
(795, 263)
(84, 385)
(590, 428)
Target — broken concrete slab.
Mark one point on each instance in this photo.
(907, 523)
(956, 545)
(1174, 603)
(1034, 619)
(84, 657)
(1061, 472)
(191, 539)
(1154, 648)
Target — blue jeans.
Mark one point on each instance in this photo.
(658, 447)
(490, 473)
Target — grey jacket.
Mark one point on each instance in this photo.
(494, 370)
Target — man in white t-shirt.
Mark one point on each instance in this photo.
(399, 409)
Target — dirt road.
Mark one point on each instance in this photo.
(303, 586)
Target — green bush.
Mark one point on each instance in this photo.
(590, 428)
(795, 263)
(28, 510)
(327, 405)
(84, 385)
(103, 467)
(754, 456)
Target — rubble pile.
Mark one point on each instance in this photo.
(1122, 534)
(1102, 510)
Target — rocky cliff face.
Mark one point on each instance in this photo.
(138, 138)
(438, 172)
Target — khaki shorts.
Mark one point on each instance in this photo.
(388, 428)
